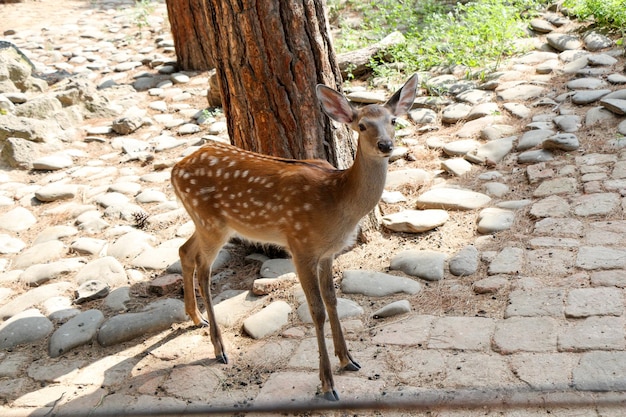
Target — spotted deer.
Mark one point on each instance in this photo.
(306, 206)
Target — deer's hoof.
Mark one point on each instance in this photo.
(352, 366)
(331, 396)
(203, 322)
(222, 358)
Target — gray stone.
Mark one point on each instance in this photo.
(521, 92)
(600, 257)
(231, 306)
(425, 264)
(541, 25)
(508, 261)
(600, 371)
(588, 97)
(402, 177)
(568, 123)
(533, 138)
(10, 244)
(117, 299)
(26, 327)
(156, 316)
(492, 220)
(563, 42)
(518, 110)
(535, 156)
(267, 321)
(393, 309)
(595, 41)
(617, 106)
(460, 147)
(562, 141)
(585, 302)
(127, 125)
(38, 274)
(586, 83)
(452, 199)
(552, 206)
(91, 290)
(274, 268)
(556, 186)
(19, 153)
(544, 371)
(456, 166)
(525, 334)
(76, 332)
(423, 116)
(616, 78)
(345, 309)
(464, 262)
(130, 245)
(593, 333)
(596, 204)
(41, 107)
(462, 333)
(455, 112)
(535, 302)
(415, 221)
(377, 284)
(494, 151)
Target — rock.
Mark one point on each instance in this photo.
(345, 309)
(460, 147)
(117, 299)
(38, 274)
(412, 176)
(17, 220)
(267, 321)
(561, 141)
(264, 286)
(40, 253)
(19, 153)
(107, 270)
(10, 244)
(423, 116)
(156, 316)
(275, 268)
(595, 41)
(32, 298)
(166, 284)
(56, 191)
(541, 25)
(536, 156)
(452, 199)
(587, 97)
(617, 106)
(231, 306)
(509, 260)
(492, 220)
(127, 125)
(53, 162)
(377, 284)
(532, 138)
(563, 42)
(587, 83)
(42, 107)
(521, 92)
(26, 327)
(455, 112)
(91, 290)
(393, 309)
(493, 151)
(464, 262)
(456, 166)
(424, 264)
(415, 221)
(76, 332)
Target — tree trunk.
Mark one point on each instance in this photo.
(269, 56)
(188, 22)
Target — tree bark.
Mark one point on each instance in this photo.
(269, 56)
(188, 22)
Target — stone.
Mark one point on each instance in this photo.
(156, 316)
(166, 284)
(509, 260)
(552, 206)
(617, 106)
(275, 268)
(563, 42)
(593, 333)
(17, 219)
(393, 309)
(460, 147)
(345, 309)
(264, 286)
(451, 199)
(464, 262)
(76, 332)
(493, 219)
(561, 141)
(462, 333)
(595, 41)
(56, 191)
(9, 244)
(600, 371)
(494, 151)
(532, 138)
(456, 166)
(377, 284)
(91, 290)
(535, 156)
(412, 176)
(26, 327)
(106, 269)
(267, 321)
(455, 112)
(556, 186)
(415, 221)
(425, 264)
(587, 97)
(53, 162)
(585, 302)
(40, 253)
(525, 334)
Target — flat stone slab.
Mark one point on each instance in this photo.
(601, 371)
(452, 199)
(425, 264)
(525, 334)
(536, 302)
(585, 302)
(377, 284)
(462, 333)
(593, 333)
(556, 186)
(600, 257)
(415, 221)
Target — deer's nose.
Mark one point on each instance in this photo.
(385, 146)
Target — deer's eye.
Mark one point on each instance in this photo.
(362, 127)
(393, 121)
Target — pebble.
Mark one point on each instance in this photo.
(17, 220)
(77, 331)
(493, 219)
(464, 262)
(267, 321)
(26, 327)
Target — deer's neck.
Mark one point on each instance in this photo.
(364, 182)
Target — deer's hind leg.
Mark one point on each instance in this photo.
(188, 256)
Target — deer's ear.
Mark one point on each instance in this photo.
(335, 105)
(402, 101)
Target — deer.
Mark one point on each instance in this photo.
(306, 206)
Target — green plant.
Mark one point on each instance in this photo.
(474, 34)
(609, 14)
(141, 13)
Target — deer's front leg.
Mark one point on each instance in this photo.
(188, 255)
(330, 299)
(308, 275)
